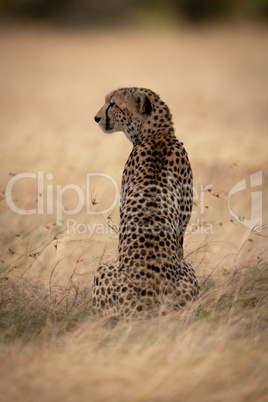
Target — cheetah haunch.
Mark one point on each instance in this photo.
(155, 207)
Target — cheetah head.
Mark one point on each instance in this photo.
(126, 110)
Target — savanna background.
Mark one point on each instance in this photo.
(208, 61)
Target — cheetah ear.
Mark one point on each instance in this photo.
(143, 102)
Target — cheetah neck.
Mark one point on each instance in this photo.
(140, 138)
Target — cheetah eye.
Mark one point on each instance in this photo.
(111, 104)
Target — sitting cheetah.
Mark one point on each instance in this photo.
(155, 207)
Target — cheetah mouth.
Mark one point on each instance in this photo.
(108, 129)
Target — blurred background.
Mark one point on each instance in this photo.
(207, 59)
(95, 13)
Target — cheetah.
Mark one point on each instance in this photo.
(155, 207)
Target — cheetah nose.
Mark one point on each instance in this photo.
(97, 119)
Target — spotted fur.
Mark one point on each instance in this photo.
(155, 207)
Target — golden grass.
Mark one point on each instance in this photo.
(52, 347)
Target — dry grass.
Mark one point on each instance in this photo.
(52, 347)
